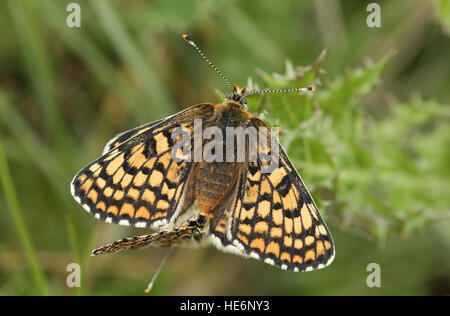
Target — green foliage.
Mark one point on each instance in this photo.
(371, 143)
(443, 9)
(384, 173)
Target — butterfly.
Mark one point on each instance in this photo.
(237, 206)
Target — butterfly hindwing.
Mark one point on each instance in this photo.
(136, 182)
(274, 218)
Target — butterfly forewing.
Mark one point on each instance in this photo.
(123, 137)
(185, 116)
(136, 182)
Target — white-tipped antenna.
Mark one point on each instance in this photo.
(150, 285)
(190, 41)
(306, 89)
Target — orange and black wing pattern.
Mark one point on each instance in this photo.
(123, 137)
(136, 182)
(274, 218)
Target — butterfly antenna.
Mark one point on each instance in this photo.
(306, 89)
(188, 39)
(150, 285)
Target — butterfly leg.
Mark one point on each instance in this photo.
(192, 229)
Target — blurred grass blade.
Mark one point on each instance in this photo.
(19, 223)
(152, 86)
(257, 42)
(55, 171)
(71, 231)
(90, 52)
(38, 66)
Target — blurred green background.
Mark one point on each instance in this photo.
(372, 144)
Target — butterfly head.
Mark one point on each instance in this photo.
(237, 95)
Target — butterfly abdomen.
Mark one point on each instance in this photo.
(215, 178)
(212, 183)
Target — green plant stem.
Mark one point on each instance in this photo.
(19, 223)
